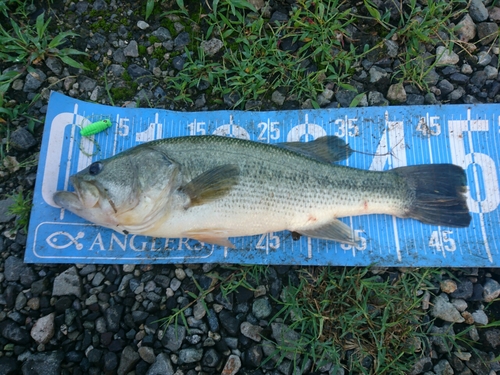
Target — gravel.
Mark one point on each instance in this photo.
(93, 319)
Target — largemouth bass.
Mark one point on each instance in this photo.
(210, 188)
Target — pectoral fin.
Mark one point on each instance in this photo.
(335, 231)
(328, 149)
(212, 184)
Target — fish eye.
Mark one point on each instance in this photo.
(95, 168)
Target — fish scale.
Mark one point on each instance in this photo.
(211, 187)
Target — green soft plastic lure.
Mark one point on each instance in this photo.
(95, 127)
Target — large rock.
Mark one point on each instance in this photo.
(43, 329)
(43, 363)
(444, 310)
(68, 283)
(162, 366)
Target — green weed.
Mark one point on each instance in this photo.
(22, 209)
(364, 323)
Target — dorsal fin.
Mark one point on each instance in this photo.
(327, 149)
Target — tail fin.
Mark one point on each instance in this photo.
(437, 194)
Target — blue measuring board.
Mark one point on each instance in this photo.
(388, 137)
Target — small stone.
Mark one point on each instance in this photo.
(438, 335)
(466, 69)
(479, 363)
(142, 25)
(251, 331)
(175, 284)
(392, 48)
(483, 58)
(464, 290)
(199, 311)
(459, 78)
(261, 308)
(321, 100)
(278, 17)
(113, 315)
(443, 368)
(448, 286)
(110, 361)
(147, 354)
(33, 303)
(233, 364)
(180, 274)
(285, 337)
(190, 355)
(128, 359)
(68, 283)
(445, 86)
(478, 78)
(132, 49)
(492, 337)
(376, 98)
(137, 71)
(34, 80)
(43, 363)
(466, 29)
(13, 268)
(11, 331)
(456, 94)
(494, 14)
(22, 139)
(98, 279)
(211, 358)
(491, 72)
(161, 366)
(487, 32)
(397, 93)
(474, 334)
(469, 319)
(491, 290)
(459, 304)
(445, 310)
(173, 337)
(480, 317)
(43, 330)
(445, 57)
(162, 34)
(478, 11)
(181, 40)
(259, 291)
(377, 74)
(278, 98)
(212, 46)
(229, 322)
(422, 365)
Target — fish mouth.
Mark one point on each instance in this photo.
(85, 196)
(67, 200)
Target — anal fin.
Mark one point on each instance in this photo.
(210, 238)
(335, 231)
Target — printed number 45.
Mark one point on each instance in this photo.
(441, 240)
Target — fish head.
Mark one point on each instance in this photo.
(121, 191)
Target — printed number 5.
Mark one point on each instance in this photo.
(486, 199)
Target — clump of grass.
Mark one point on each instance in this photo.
(363, 323)
(22, 209)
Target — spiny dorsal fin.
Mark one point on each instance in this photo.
(212, 184)
(327, 149)
(335, 231)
